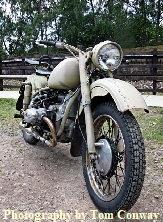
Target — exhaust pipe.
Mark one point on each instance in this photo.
(52, 129)
(34, 133)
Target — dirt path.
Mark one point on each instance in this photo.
(39, 179)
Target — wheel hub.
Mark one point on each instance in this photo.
(104, 157)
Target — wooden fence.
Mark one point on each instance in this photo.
(18, 69)
(144, 67)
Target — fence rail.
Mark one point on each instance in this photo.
(18, 69)
(142, 66)
(146, 66)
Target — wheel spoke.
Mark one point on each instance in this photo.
(110, 185)
(122, 169)
(117, 179)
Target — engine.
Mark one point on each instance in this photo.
(53, 105)
(34, 116)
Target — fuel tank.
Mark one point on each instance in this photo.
(65, 75)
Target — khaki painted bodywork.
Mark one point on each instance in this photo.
(86, 100)
(125, 95)
(33, 85)
(27, 96)
(37, 82)
(65, 75)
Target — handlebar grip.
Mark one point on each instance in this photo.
(48, 43)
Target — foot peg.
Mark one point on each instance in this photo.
(18, 116)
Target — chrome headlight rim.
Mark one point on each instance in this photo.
(95, 55)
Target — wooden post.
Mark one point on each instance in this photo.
(155, 62)
(1, 80)
(23, 65)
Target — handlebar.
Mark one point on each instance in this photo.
(50, 43)
(58, 44)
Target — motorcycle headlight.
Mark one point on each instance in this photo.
(107, 55)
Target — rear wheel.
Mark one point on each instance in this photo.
(114, 179)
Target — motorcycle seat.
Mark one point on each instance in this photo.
(40, 70)
(43, 72)
(32, 62)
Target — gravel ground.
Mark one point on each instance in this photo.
(39, 179)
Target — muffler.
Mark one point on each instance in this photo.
(34, 133)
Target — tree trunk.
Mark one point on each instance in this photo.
(158, 20)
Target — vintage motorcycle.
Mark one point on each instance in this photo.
(79, 102)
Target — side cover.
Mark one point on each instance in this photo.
(125, 95)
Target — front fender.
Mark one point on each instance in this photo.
(124, 94)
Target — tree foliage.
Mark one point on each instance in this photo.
(78, 22)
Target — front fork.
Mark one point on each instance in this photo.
(86, 101)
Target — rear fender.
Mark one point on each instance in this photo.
(125, 96)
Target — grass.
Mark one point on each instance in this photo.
(143, 49)
(151, 124)
(7, 110)
(12, 82)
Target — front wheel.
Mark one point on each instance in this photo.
(114, 178)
